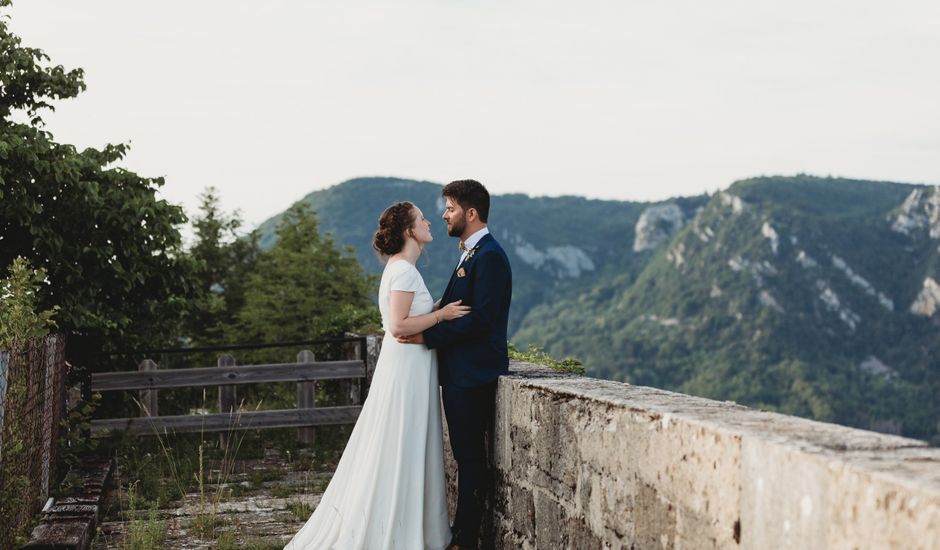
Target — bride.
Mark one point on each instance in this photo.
(388, 488)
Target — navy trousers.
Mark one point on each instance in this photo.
(469, 413)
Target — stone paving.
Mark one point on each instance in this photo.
(250, 515)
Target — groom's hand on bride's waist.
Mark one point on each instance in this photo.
(413, 339)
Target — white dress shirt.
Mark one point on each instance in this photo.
(472, 241)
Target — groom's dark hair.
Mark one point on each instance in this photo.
(469, 194)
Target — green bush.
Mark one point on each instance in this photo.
(537, 355)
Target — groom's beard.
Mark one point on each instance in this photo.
(457, 227)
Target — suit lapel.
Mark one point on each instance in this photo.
(445, 298)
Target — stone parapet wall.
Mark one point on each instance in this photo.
(587, 463)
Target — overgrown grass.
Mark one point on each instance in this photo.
(207, 521)
(300, 509)
(163, 468)
(207, 524)
(142, 534)
(282, 491)
(259, 476)
(226, 541)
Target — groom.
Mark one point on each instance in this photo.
(472, 350)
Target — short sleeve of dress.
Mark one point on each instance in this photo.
(405, 277)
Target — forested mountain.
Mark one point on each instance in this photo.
(557, 246)
(811, 296)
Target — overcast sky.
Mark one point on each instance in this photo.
(271, 99)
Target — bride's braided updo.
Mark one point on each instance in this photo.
(390, 237)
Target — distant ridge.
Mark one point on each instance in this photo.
(554, 243)
(812, 296)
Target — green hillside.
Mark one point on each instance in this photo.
(556, 245)
(800, 294)
(799, 301)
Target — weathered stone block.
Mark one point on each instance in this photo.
(551, 522)
(522, 512)
(655, 521)
(702, 531)
(581, 536)
(62, 535)
(886, 504)
(785, 499)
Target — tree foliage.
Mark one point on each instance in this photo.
(304, 286)
(110, 247)
(28, 83)
(222, 258)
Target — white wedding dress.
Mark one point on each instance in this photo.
(388, 488)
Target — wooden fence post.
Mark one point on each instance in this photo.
(227, 398)
(148, 398)
(306, 399)
(227, 394)
(366, 350)
(373, 348)
(355, 386)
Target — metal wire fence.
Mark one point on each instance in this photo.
(33, 378)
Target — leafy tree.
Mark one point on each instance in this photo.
(110, 247)
(223, 259)
(304, 286)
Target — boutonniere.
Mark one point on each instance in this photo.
(461, 272)
(472, 252)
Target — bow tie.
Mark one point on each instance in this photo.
(462, 247)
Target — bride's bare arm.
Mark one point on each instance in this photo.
(400, 324)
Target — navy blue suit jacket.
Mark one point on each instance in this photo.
(471, 350)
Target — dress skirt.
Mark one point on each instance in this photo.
(388, 489)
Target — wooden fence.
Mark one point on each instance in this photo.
(149, 379)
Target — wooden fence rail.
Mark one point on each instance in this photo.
(306, 372)
(226, 376)
(223, 422)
